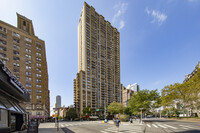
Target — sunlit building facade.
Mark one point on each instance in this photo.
(97, 83)
(24, 54)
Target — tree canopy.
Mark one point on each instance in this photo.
(145, 99)
(187, 93)
(116, 108)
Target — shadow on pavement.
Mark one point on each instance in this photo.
(190, 131)
(66, 130)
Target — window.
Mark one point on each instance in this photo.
(28, 67)
(2, 42)
(28, 45)
(38, 86)
(28, 79)
(38, 48)
(38, 70)
(2, 48)
(15, 52)
(38, 75)
(16, 40)
(38, 59)
(3, 29)
(38, 97)
(2, 35)
(28, 50)
(38, 91)
(38, 44)
(28, 73)
(16, 58)
(28, 39)
(16, 64)
(16, 34)
(2, 55)
(38, 54)
(28, 85)
(16, 70)
(28, 56)
(24, 23)
(38, 64)
(38, 81)
(16, 47)
(28, 62)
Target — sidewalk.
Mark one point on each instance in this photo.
(49, 128)
(184, 119)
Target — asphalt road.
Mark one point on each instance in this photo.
(149, 126)
(98, 127)
(170, 126)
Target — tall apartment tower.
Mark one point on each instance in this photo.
(24, 54)
(97, 83)
(58, 101)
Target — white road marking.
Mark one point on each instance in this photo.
(155, 126)
(185, 126)
(148, 125)
(170, 126)
(161, 126)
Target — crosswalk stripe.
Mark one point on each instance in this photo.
(170, 126)
(155, 126)
(185, 126)
(148, 125)
(161, 126)
(104, 132)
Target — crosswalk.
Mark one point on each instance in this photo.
(78, 124)
(165, 126)
(123, 129)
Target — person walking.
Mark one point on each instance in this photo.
(117, 121)
(131, 120)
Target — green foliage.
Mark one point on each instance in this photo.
(127, 111)
(186, 93)
(145, 99)
(115, 108)
(87, 111)
(71, 114)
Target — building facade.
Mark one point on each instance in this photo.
(12, 92)
(189, 76)
(24, 54)
(98, 79)
(135, 87)
(58, 101)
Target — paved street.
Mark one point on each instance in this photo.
(149, 126)
(171, 126)
(98, 127)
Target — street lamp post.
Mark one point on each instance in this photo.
(141, 115)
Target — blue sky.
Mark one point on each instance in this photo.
(160, 39)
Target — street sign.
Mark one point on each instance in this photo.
(97, 109)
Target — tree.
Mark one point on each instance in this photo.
(187, 93)
(87, 111)
(115, 108)
(145, 99)
(71, 114)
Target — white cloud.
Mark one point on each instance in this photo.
(147, 10)
(121, 24)
(158, 17)
(120, 10)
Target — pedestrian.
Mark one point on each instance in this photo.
(131, 120)
(117, 121)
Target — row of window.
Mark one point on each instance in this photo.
(3, 29)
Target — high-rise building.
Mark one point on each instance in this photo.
(58, 101)
(97, 83)
(24, 54)
(135, 87)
